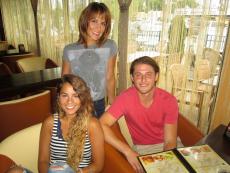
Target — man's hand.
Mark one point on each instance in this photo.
(131, 156)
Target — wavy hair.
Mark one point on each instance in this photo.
(91, 10)
(78, 128)
(144, 60)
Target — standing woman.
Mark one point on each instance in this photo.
(93, 57)
(72, 141)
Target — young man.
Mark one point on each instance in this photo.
(150, 112)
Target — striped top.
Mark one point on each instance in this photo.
(58, 146)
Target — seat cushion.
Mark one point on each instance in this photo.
(31, 64)
(22, 147)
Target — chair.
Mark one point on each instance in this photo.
(4, 69)
(173, 58)
(178, 74)
(184, 93)
(213, 57)
(34, 64)
(203, 69)
(24, 112)
(205, 83)
(202, 74)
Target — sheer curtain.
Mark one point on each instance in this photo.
(176, 32)
(57, 22)
(18, 20)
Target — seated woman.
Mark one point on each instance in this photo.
(73, 140)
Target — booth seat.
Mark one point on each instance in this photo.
(22, 148)
(24, 112)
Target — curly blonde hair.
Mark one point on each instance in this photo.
(79, 126)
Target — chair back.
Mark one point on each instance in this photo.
(174, 58)
(24, 112)
(34, 64)
(203, 70)
(178, 73)
(50, 64)
(213, 57)
(185, 92)
(4, 69)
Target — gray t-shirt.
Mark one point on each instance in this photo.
(91, 64)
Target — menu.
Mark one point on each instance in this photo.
(195, 159)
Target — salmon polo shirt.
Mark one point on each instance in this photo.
(146, 125)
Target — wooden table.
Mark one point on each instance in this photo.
(20, 83)
(218, 142)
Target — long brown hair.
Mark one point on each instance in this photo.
(79, 126)
(92, 9)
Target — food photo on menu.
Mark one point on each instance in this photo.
(195, 159)
(204, 160)
(162, 162)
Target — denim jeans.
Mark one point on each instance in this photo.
(60, 167)
(99, 106)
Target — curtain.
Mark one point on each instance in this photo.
(18, 21)
(57, 22)
(190, 33)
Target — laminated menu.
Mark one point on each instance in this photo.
(195, 159)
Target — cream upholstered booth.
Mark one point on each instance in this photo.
(19, 135)
(22, 147)
(24, 112)
(34, 64)
(20, 127)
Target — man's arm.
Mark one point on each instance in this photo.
(170, 136)
(107, 120)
